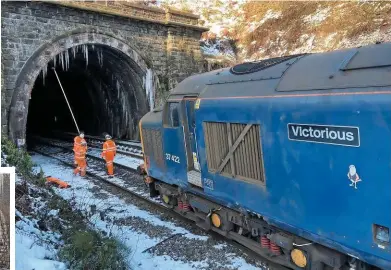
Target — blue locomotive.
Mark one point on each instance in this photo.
(288, 156)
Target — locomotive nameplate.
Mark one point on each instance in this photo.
(337, 135)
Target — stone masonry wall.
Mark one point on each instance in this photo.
(172, 51)
(4, 221)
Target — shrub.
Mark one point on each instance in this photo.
(18, 158)
(90, 250)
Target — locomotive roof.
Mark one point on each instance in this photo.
(368, 66)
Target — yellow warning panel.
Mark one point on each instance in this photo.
(216, 221)
(197, 104)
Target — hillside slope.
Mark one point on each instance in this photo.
(249, 30)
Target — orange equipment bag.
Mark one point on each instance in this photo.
(57, 181)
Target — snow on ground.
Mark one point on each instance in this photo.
(318, 17)
(220, 47)
(270, 14)
(35, 248)
(121, 159)
(81, 192)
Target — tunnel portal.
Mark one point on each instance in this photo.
(104, 87)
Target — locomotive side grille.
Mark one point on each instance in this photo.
(234, 150)
(152, 140)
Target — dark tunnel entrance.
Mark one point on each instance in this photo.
(105, 89)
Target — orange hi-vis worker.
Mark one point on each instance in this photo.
(108, 153)
(78, 142)
(80, 149)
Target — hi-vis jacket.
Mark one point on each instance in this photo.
(80, 147)
(109, 150)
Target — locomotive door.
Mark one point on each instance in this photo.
(194, 175)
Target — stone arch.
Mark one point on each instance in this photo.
(41, 58)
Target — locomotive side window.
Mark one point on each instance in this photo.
(173, 116)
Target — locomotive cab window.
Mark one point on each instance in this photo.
(172, 114)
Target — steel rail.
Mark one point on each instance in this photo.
(127, 153)
(89, 155)
(133, 143)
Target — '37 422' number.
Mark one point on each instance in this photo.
(172, 158)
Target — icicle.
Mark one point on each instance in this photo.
(86, 55)
(66, 60)
(61, 58)
(118, 88)
(149, 91)
(100, 57)
(74, 51)
(85, 51)
(44, 73)
(55, 61)
(93, 47)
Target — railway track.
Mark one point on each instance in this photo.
(129, 148)
(138, 189)
(96, 167)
